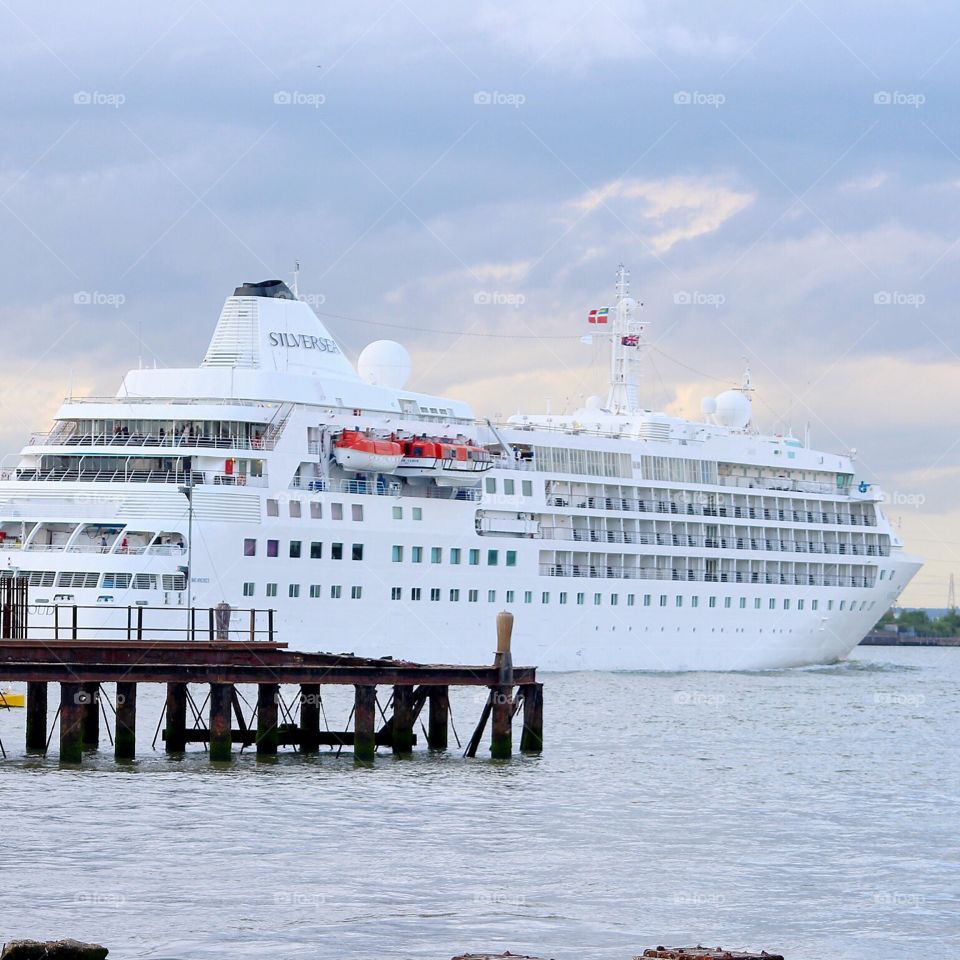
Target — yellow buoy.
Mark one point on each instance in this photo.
(8, 698)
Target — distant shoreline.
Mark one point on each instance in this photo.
(887, 640)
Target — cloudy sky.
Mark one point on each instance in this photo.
(781, 177)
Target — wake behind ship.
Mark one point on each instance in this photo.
(382, 521)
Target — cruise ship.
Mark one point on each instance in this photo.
(374, 519)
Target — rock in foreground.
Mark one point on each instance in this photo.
(52, 950)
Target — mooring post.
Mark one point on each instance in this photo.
(309, 717)
(175, 732)
(268, 736)
(37, 716)
(438, 720)
(91, 716)
(531, 739)
(501, 696)
(401, 729)
(125, 736)
(221, 728)
(364, 722)
(72, 698)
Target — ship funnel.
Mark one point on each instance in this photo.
(264, 327)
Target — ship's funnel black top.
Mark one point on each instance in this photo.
(265, 288)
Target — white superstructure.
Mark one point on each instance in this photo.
(381, 521)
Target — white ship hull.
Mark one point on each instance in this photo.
(621, 539)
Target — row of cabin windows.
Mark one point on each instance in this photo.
(455, 556)
(295, 509)
(293, 591)
(337, 512)
(510, 486)
(510, 596)
(296, 549)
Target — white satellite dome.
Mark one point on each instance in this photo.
(708, 406)
(594, 403)
(733, 409)
(385, 363)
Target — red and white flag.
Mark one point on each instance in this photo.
(599, 315)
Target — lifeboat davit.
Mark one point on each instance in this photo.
(448, 463)
(358, 451)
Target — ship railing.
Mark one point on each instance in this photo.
(116, 549)
(613, 572)
(64, 621)
(784, 484)
(154, 442)
(111, 476)
(772, 544)
(691, 508)
(378, 488)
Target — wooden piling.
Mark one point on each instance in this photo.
(501, 696)
(37, 716)
(71, 722)
(531, 739)
(401, 730)
(268, 735)
(221, 733)
(438, 718)
(91, 716)
(125, 736)
(364, 722)
(175, 732)
(309, 717)
(501, 730)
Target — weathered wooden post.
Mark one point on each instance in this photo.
(309, 717)
(501, 734)
(71, 722)
(531, 739)
(175, 732)
(268, 735)
(91, 716)
(221, 725)
(438, 719)
(364, 722)
(37, 716)
(125, 737)
(401, 730)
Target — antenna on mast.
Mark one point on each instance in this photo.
(296, 279)
(625, 345)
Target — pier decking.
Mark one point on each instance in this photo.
(84, 667)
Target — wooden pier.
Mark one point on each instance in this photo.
(88, 669)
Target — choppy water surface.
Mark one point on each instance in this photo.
(810, 811)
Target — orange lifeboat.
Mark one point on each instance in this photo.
(449, 463)
(359, 451)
